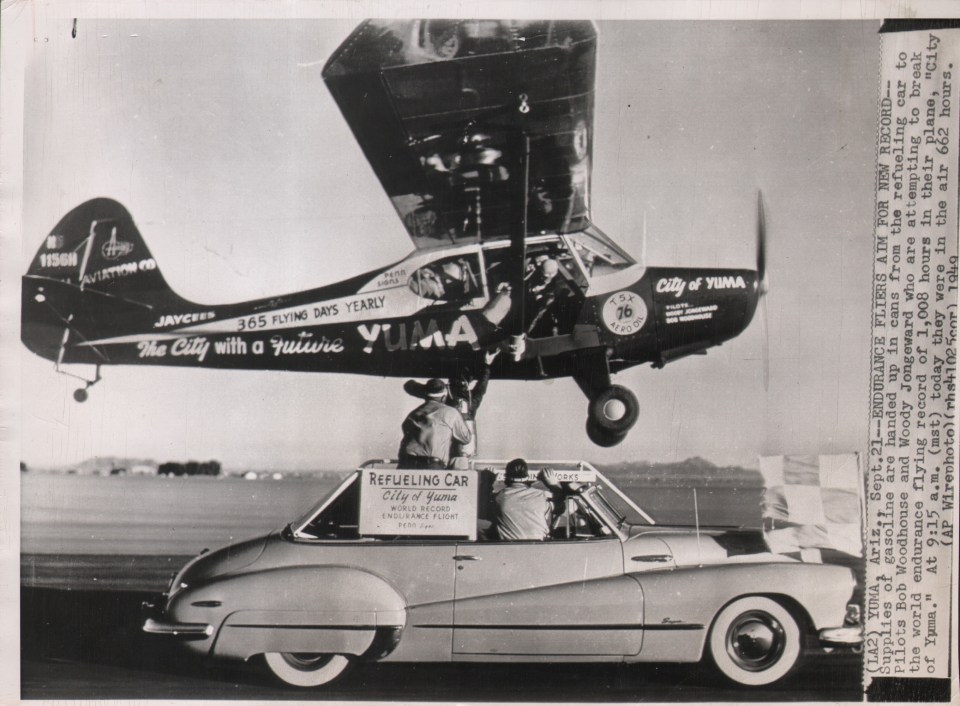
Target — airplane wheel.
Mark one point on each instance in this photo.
(603, 437)
(306, 670)
(614, 409)
(80, 395)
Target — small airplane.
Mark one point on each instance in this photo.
(481, 134)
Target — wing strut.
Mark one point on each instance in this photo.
(518, 249)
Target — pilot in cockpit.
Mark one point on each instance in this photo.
(543, 289)
(449, 281)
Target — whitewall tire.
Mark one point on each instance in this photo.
(755, 641)
(305, 670)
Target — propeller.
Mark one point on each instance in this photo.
(763, 286)
(643, 242)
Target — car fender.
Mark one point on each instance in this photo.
(329, 609)
(680, 604)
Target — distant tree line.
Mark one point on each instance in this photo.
(190, 468)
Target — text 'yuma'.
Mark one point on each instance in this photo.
(181, 347)
(401, 337)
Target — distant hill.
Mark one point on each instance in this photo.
(694, 470)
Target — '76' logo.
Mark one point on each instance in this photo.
(624, 313)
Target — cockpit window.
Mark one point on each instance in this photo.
(599, 254)
(453, 279)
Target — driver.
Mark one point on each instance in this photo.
(526, 511)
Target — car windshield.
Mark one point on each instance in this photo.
(298, 524)
(612, 499)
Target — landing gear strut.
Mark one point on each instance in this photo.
(81, 394)
(612, 410)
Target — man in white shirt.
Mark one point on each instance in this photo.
(526, 511)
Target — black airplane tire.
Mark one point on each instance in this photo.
(755, 641)
(603, 412)
(603, 437)
(305, 670)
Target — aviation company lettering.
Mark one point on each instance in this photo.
(124, 270)
(181, 319)
(181, 347)
(304, 343)
(399, 336)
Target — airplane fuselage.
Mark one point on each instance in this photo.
(381, 323)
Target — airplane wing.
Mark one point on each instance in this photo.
(444, 109)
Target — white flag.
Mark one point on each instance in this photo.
(812, 503)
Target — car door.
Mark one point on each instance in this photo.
(555, 597)
(421, 569)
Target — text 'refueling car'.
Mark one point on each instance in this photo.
(404, 565)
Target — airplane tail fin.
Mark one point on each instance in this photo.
(92, 276)
(97, 246)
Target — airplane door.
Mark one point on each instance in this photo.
(556, 597)
(552, 290)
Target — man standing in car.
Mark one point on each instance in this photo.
(525, 511)
(430, 430)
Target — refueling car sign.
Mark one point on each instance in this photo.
(418, 502)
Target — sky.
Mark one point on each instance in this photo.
(222, 141)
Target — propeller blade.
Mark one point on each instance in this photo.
(763, 286)
(761, 245)
(765, 351)
(643, 242)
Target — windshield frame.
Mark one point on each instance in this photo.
(296, 527)
(595, 233)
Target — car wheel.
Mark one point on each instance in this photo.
(755, 641)
(305, 669)
(614, 409)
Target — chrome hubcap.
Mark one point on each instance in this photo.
(755, 641)
(614, 410)
(305, 661)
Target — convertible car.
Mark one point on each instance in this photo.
(405, 565)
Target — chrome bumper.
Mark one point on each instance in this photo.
(186, 631)
(849, 635)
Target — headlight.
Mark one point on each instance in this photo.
(852, 616)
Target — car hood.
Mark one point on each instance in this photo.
(689, 546)
(219, 562)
